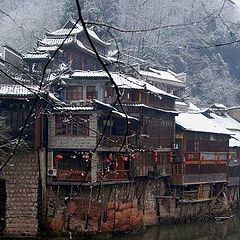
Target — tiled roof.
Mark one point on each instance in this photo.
(78, 29)
(89, 74)
(56, 41)
(124, 81)
(47, 48)
(17, 90)
(36, 55)
(196, 122)
(74, 108)
(162, 76)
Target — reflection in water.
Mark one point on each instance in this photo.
(213, 230)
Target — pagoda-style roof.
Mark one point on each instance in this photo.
(53, 40)
(67, 28)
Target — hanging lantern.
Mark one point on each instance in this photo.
(59, 157)
(155, 156)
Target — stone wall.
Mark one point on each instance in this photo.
(122, 207)
(21, 178)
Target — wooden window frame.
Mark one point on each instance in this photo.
(78, 128)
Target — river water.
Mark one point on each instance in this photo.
(212, 230)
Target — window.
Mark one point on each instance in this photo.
(134, 96)
(74, 93)
(66, 127)
(91, 92)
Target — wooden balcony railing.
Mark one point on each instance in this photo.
(117, 175)
(73, 175)
(207, 156)
(77, 175)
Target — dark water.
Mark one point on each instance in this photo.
(213, 230)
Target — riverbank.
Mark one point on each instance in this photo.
(130, 207)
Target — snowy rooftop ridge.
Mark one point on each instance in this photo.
(231, 124)
(165, 76)
(196, 122)
(123, 81)
(18, 90)
(36, 55)
(56, 41)
(67, 28)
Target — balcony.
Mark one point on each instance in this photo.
(111, 176)
(73, 175)
(80, 176)
(206, 156)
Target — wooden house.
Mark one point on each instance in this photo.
(219, 115)
(146, 151)
(200, 161)
(152, 144)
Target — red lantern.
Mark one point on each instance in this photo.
(155, 156)
(107, 160)
(171, 157)
(59, 157)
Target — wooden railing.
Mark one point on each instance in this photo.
(117, 175)
(77, 175)
(73, 175)
(206, 156)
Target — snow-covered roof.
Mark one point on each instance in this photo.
(36, 55)
(89, 74)
(161, 76)
(196, 122)
(74, 108)
(193, 107)
(124, 81)
(78, 29)
(231, 124)
(64, 32)
(234, 142)
(56, 41)
(123, 115)
(226, 121)
(18, 90)
(218, 105)
(47, 48)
